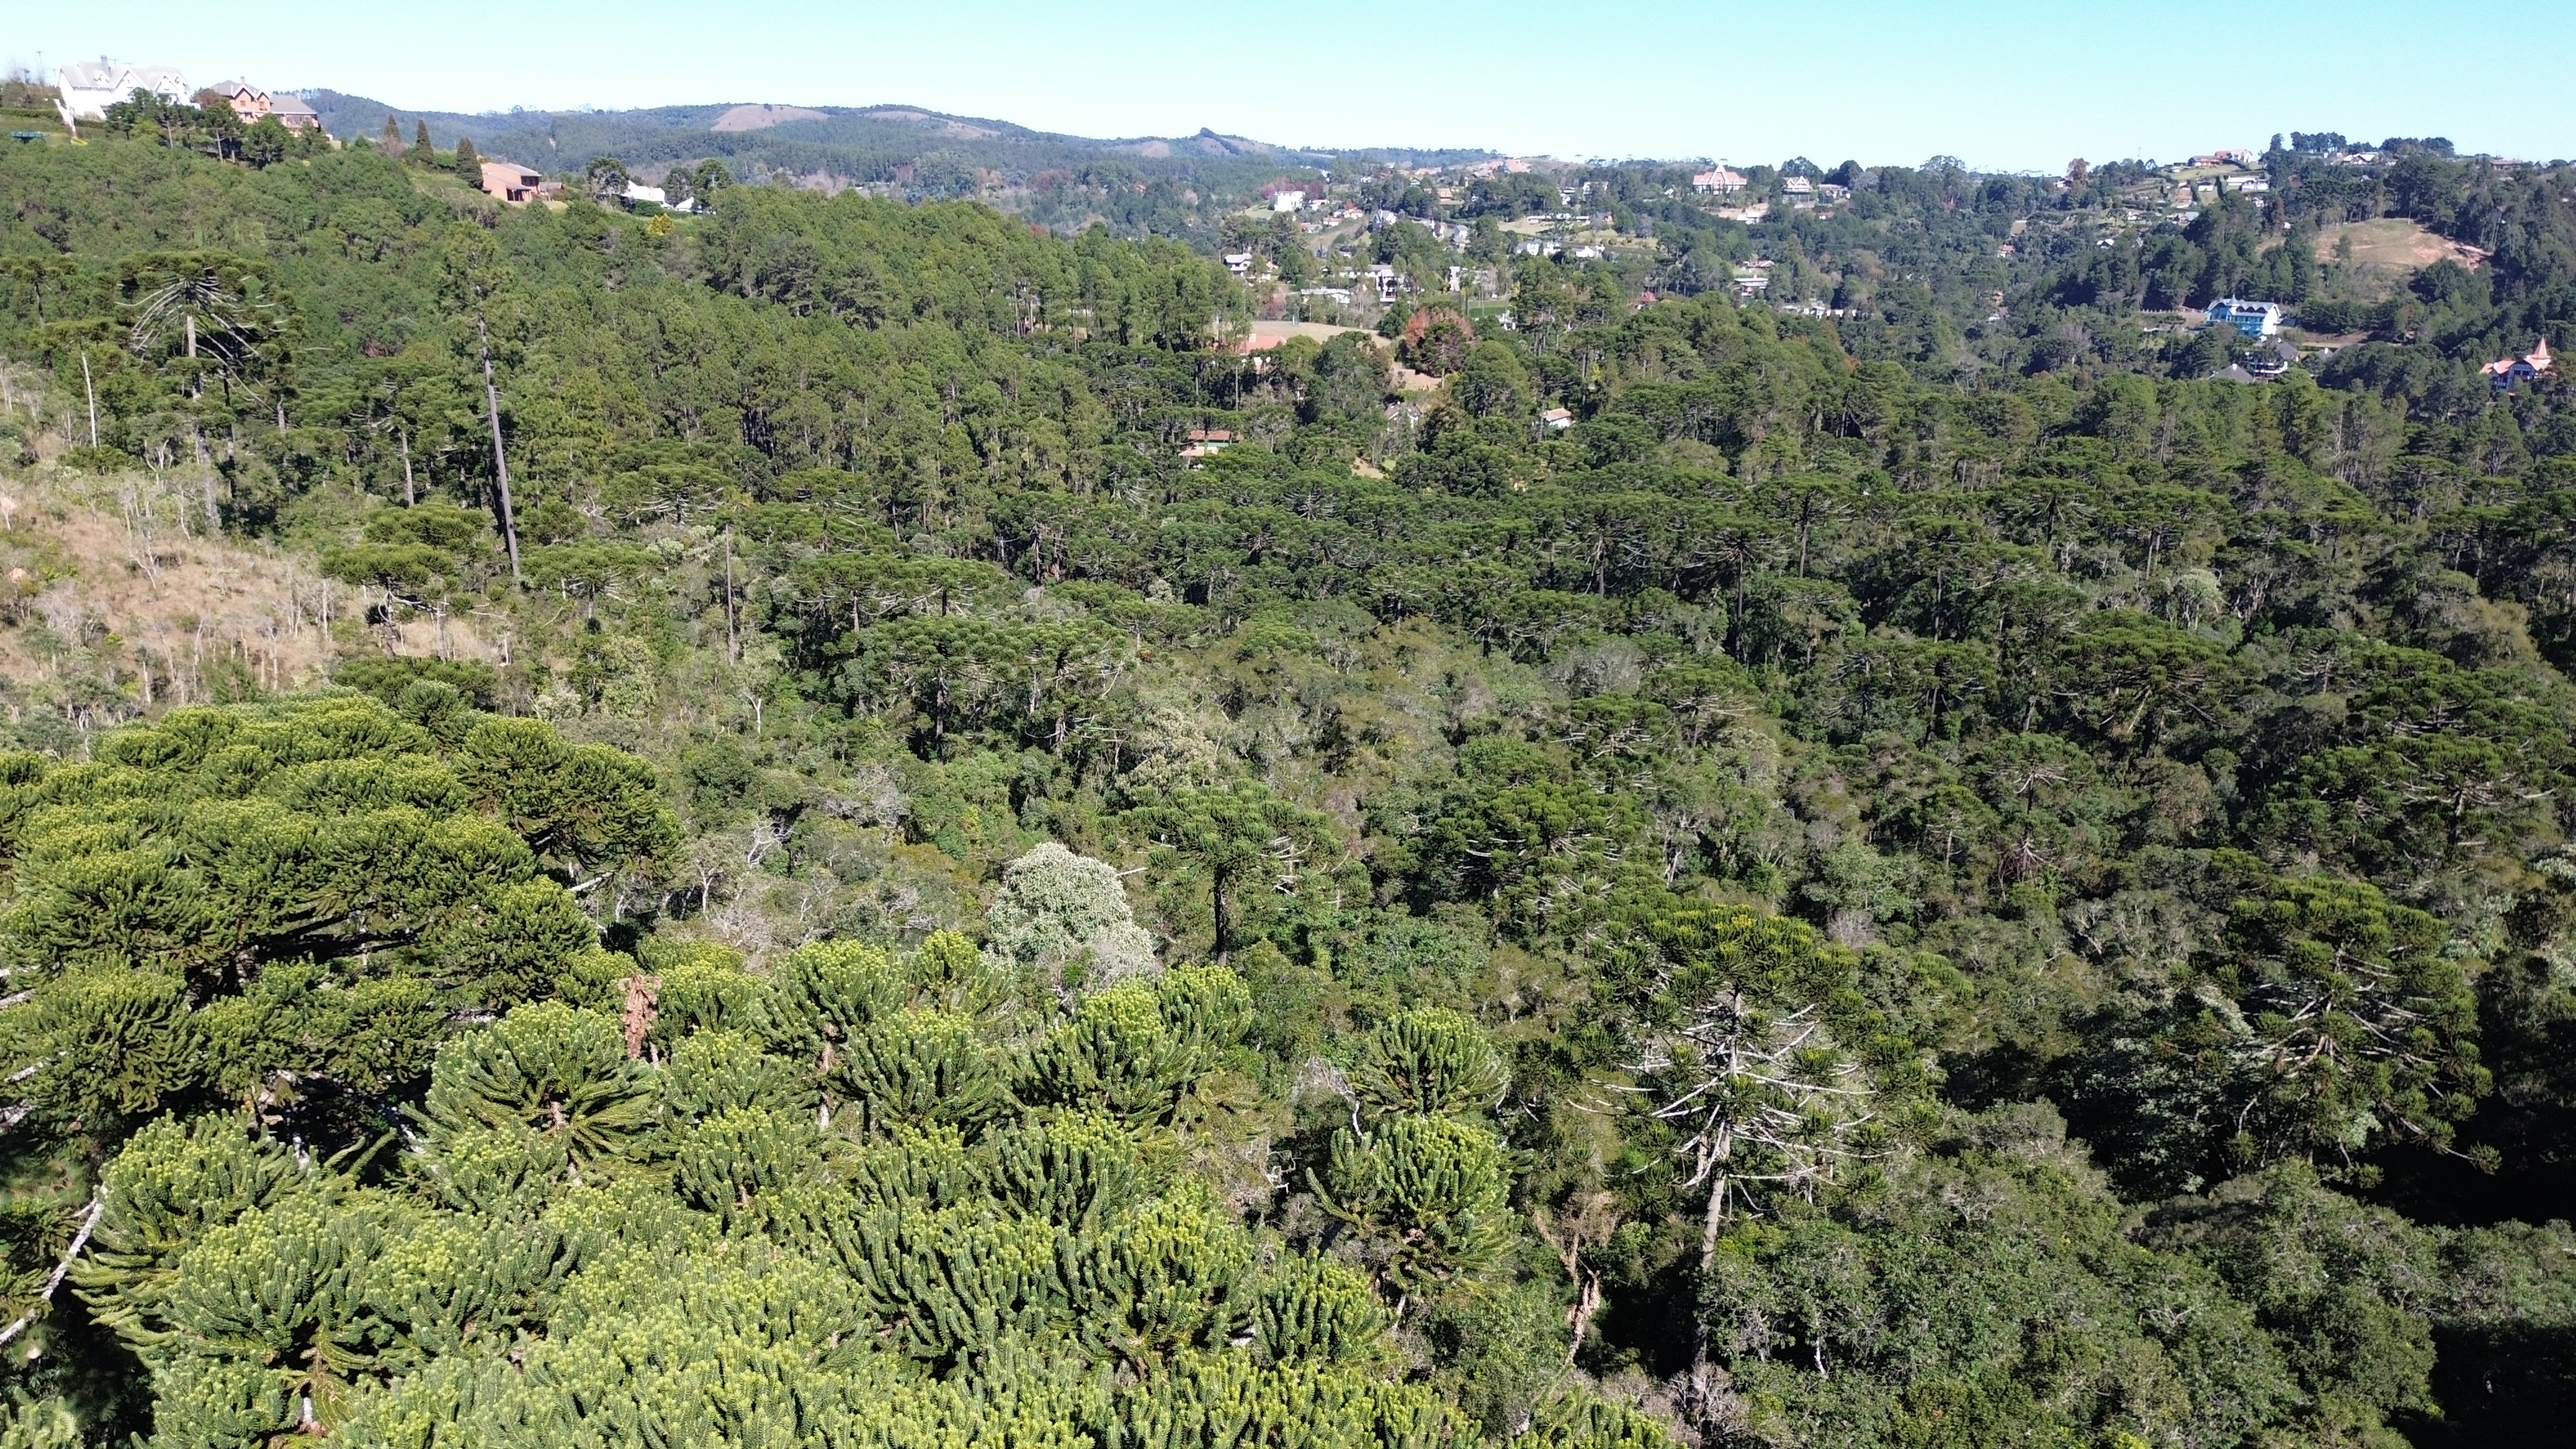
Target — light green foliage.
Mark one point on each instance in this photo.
(1310, 1308)
(1430, 1061)
(1065, 915)
(1069, 1168)
(1130, 1050)
(1427, 1193)
(922, 1065)
(171, 1184)
(40, 1424)
(1508, 1350)
(675, 1246)
(546, 1080)
(1587, 1420)
(825, 992)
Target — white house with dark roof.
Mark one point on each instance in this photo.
(85, 89)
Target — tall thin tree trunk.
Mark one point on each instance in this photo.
(500, 458)
(411, 495)
(91, 389)
(205, 480)
(733, 636)
(1216, 903)
(1711, 1222)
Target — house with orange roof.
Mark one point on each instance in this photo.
(2505, 373)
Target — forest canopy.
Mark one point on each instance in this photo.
(855, 822)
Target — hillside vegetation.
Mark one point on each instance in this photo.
(1880, 887)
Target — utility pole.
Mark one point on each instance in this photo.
(500, 458)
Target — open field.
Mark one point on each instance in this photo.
(2392, 244)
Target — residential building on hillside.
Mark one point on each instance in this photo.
(1720, 182)
(2254, 319)
(2503, 375)
(254, 105)
(246, 100)
(2225, 158)
(85, 90)
(1287, 201)
(292, 113)
(512, 182)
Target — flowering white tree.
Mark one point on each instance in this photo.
(1063, 913)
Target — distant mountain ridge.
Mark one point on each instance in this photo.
(661, 133)
(1175, 186)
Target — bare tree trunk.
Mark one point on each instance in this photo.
(205, 480)
(1216, 905)
(733, 637)
(1587, 1302)
(91, 389)
(1710, 1223)
(500, 458)
(411, 495)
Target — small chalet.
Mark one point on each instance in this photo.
(2506, 373)
(1206, 442)
(512, 182)
(1556, 420)
(1720, 182)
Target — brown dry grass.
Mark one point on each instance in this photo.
(124, 567)
(2393, 244)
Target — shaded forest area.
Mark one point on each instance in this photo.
(1900, 881)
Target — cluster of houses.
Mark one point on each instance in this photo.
(1799, 192)
(84, 90)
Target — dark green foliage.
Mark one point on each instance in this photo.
(277, 907)
(1667, 872)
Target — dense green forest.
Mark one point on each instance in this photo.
(795, 864)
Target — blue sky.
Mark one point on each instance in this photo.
(2016, 84)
